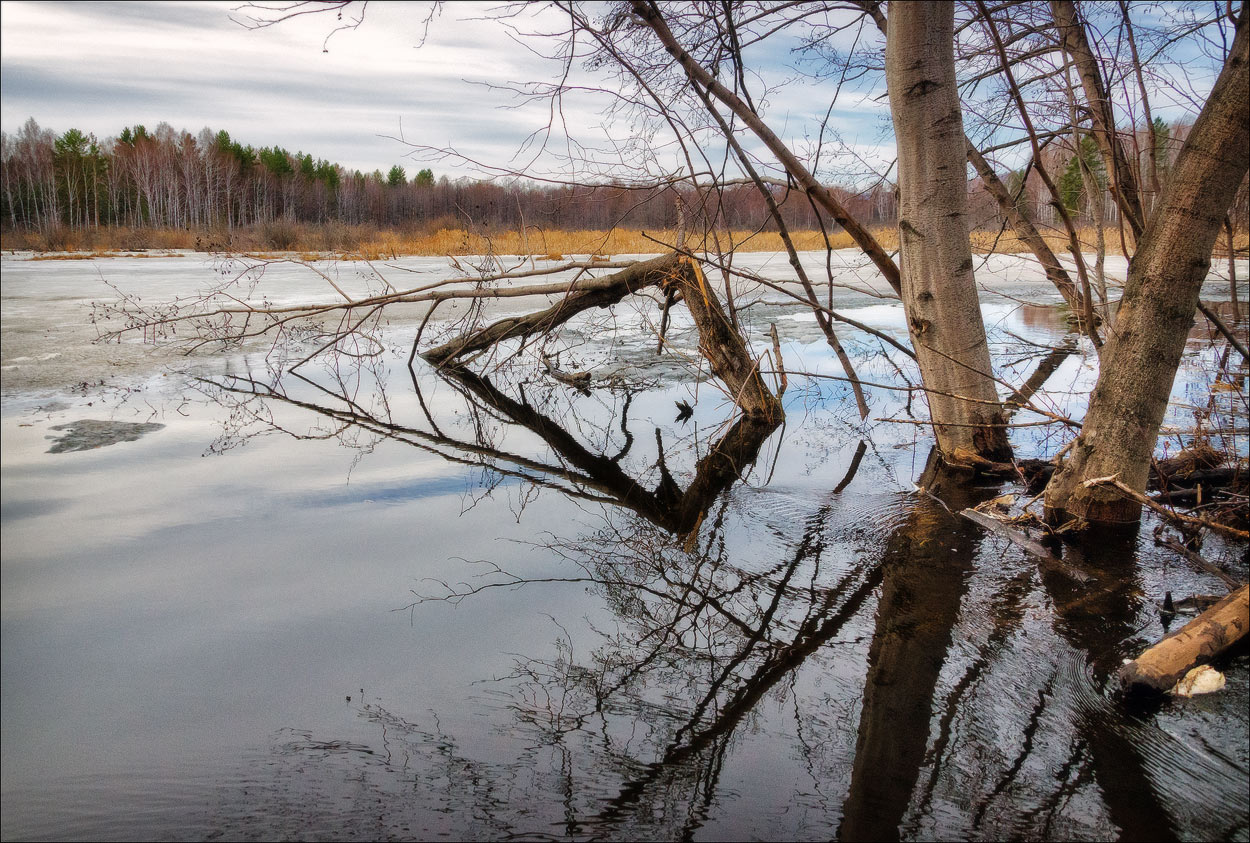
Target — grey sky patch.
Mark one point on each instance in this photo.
(102, 66)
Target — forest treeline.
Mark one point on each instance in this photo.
(56, 184)
(167, 178)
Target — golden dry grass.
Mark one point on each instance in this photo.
(342, 242)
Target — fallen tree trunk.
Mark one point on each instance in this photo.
(1046, 560)
(678, 276)
(1194, 458)
(582, 295)
(722, 345)
(1160, 667)
(1212, 478)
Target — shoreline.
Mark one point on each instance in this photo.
(360, 242)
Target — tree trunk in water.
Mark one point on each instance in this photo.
(722, 345)
(1141, 357)
(938, 290)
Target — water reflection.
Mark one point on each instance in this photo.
(924, 571)
(916, 681)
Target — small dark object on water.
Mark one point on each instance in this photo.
(684, 411)
(1191, 605)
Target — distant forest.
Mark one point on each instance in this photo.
(210, 181)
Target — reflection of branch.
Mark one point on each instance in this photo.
(678, 513)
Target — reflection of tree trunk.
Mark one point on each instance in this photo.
(938, 290)
(821, 624)
(668, 507)
(1097, 619)
(924, 570)
(1041, 374)
(1157, 310)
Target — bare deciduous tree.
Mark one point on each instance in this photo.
(1157, 310)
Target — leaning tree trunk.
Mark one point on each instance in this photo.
(938, 290)
(1141, 357)
(1123, 182)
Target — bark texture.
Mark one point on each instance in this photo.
(1161, 294)
(937, 286)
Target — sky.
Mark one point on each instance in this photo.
(100, 67)
(355, 99)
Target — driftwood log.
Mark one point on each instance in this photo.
(1045, 559)
(1160, 667)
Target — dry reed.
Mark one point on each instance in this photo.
(344, 242)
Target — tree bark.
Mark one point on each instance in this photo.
(1161, 294)
(937, 286)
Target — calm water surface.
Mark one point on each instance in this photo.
(369, 604)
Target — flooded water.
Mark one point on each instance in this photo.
(369, 603)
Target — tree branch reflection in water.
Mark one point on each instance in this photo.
(975, 718)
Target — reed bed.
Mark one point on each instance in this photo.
(345, 242)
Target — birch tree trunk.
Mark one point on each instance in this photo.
(938, 290)
(1161, 294)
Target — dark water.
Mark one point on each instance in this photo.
(366, 604)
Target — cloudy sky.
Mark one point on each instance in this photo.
(102, 66)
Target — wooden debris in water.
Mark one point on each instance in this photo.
(1160, 667)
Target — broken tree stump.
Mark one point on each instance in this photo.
(677, 276)
(1160, 667)
(582, 294)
